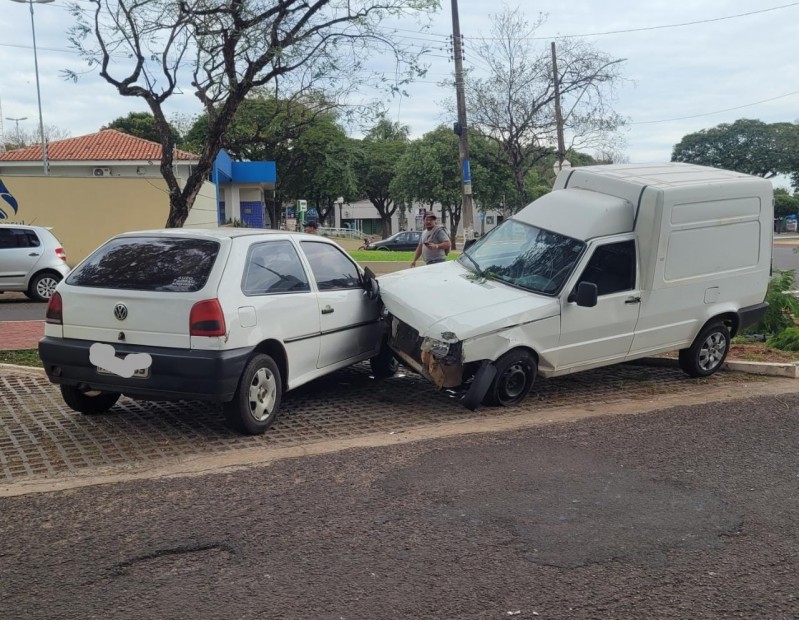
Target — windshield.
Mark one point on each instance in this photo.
(524, 256)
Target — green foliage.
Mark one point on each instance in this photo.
(783, 308)
(784, 203)
(786, 340)
(361, 256)
(749, 146)
(142, 125)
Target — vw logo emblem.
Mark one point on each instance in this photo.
(121, 312)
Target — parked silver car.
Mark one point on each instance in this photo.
(32, 260)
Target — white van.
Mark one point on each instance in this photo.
(618, 262)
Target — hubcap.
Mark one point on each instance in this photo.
(262, 395)
(712, 351)
(46, 287)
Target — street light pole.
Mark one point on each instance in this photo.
(38, 89)
(17, 120)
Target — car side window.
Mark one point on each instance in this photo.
(33, 240)
(274, 267)
(612, 268)
(331, 268)
(18, 238)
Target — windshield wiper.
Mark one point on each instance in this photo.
(474, 262)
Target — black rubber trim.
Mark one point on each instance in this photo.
(751, 314)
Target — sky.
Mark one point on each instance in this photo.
(688, 66)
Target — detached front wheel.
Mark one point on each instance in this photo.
(89, 402)
(707, 352)
(516, 373)
(257, 400)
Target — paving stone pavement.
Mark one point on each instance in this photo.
(41, 438)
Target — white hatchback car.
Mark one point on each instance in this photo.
(237, 316)
(32, 260)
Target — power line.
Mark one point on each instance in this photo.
(646, 28)
(746, 105)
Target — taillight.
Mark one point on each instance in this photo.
(207, 319)
(55, 310)
(61, 254)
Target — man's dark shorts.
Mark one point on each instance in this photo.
(435, 260)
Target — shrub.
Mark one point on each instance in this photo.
(783, 308)
(786, 340)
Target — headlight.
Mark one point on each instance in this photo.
(437, 348)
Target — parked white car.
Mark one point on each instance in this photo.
(237, 316)
(32, 260)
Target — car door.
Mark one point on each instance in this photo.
(20, 249)
(604, 332)
(279, 303)
(349, 318)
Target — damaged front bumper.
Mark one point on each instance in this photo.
(439, 361)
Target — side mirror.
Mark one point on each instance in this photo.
(587, 293)
(469, 243)
(370, 284)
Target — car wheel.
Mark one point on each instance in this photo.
(383, 249)
(257, 400)
(384, 364)
(516, 372)
(43, 286)
(89, 402)
(708, 351)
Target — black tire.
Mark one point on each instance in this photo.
(384, 364)
(707, 352)
(257, 400)
(88, 402)
(42, 286)
(382, 249)
(516, 373)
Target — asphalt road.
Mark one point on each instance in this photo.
(690, 512)
(17, 307)
(785, 258)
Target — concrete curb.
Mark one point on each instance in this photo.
(771, 369)
(18, 368)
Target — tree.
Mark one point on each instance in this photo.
(784, 203)
(429, 172)
(747, 145)
(515, 104)
(142, 125)
(144, 47)
(21, 138)
(376, 165)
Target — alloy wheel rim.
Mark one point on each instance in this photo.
(46, 287)
(712, 351)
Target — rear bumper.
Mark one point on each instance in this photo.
(751, 314)
(175, 374)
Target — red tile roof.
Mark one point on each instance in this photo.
(105, 145)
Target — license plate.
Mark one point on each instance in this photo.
(141, 373)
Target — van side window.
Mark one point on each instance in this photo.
(612, 268)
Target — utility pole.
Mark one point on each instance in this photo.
(561, 153)
(460, 129)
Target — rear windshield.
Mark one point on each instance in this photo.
(148, 264)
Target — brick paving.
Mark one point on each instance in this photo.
(17, 335)
(41, 438)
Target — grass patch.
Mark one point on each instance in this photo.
(380, 255)
(23, 357)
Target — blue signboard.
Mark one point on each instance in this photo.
(467, 171)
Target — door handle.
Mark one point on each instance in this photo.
(327, 310)
(633, 300)
(33, 254)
